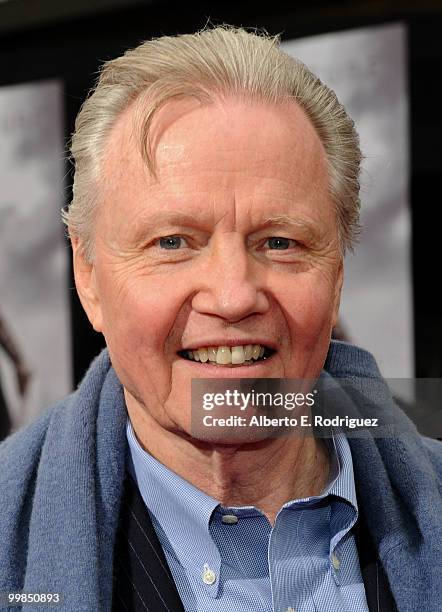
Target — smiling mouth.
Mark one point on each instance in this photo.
(229, 356)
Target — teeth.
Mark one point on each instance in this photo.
(238, 354)
(202, 352)
(223, 355)
(226, 355)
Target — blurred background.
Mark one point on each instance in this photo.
(384, 60)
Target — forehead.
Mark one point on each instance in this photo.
(252, 151)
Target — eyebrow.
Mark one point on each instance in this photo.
(286, 220)
(305, 225)
(152, 222)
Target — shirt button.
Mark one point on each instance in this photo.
(290, 609)
(229, 519)
(335, 561)
(208, 575)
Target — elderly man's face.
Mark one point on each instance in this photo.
(234, 245)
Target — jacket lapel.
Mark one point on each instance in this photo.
(142, 578)
(377, 588)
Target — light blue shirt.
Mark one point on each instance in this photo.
(306, 562)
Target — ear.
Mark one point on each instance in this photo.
(338, 290)
(85, 282)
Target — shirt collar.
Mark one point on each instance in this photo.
(340, 482)
(340, 488)
(343, 485)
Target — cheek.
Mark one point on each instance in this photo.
(136, 330)
(309, 305)
(139, 317)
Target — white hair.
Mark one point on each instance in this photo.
(212, 63)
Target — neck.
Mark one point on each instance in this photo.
(264, 474)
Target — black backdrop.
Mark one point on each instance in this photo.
(72, 49)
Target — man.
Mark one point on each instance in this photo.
(215, 194)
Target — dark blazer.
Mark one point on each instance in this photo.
(143, 581)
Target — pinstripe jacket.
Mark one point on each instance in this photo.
(62, 477)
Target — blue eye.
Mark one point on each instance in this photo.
(279, 243)
(171, 242)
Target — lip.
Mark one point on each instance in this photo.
(192, 346)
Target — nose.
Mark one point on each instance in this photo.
(232, 287)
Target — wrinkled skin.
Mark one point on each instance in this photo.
(230, 175)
